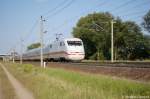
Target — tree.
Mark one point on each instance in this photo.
(147, 45)
(129, 41)
(134, 41)
(33, 46)
(92, 35)
(146, 23)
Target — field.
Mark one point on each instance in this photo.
(56, 83)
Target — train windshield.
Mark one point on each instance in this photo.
(74, 43)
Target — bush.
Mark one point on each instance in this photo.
(27, 68)
(96, 57)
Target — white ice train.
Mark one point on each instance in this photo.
(71, 49)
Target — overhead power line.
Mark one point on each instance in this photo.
(56, 7)
(30, 31)
(135, 18)
(123, 5)
(36, 22)
(142, 4)
(60, 10)
(133, 7)
(24, 38)
(72, 19)
(103, 3)
(116, 9)
(134, 13)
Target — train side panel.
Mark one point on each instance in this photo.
(67, 49)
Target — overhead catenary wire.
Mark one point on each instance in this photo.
(31, 30)
(34, 25)
(122, 5)
(128, 2)
(130, 15)
(66, 22)
(133, 7)
(62, 25)
(36, 22)
(56, 7)
(55, 12)
(67, 5)
(23, 38)
(60, 10)
(134, 13)
(116, 9)
(138, 19)
(72, 18)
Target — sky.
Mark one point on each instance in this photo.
(20, 19)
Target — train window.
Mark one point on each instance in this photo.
(74, 43)
(50, 46)
(61, 44)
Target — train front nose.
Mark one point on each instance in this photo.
(76, 56)
(75, 50)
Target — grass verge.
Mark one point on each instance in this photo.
(58, 83)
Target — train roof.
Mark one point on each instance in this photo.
(66, 39)
(32, 50)
(73, 39)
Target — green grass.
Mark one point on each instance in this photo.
(57, 83)
(6, 89)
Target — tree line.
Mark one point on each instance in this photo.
(130, 43)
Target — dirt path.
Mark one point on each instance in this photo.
(20, 90)
(1, 97)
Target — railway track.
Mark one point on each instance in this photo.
(101, 64)
(130, 65)
(106, 64)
